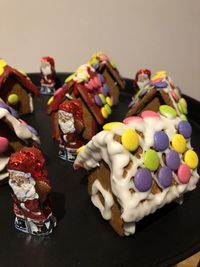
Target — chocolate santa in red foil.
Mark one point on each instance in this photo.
(142, 78)
(48, 76)
(70, 121)
(29, 181)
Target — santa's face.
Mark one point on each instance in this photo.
(23, 185)
(46, 68)
(143, 79)
(66, 122)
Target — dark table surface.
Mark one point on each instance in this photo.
(82, 237)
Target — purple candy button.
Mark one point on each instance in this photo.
(105, 89)
(165, 177)
(98, 100)
(132, 103)
(173, 160)
(101, 78)
(143, 180)
(185, 129)
(142, 93)
(161, 85)
(161, 141)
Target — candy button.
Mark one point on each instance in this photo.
(183, 117)
(177, 90)
(173, 160)
(89, 85)
(132, 103)
(97, 82)
(109, 126)
(108, 109)
(3, 144)
(104, 113)
(179, 143)
(165, 177)
(109, 101)
(167, 111)
(183, 104)
(32, 130)
(103, 99)
(149, 113)
(142, 93)
(105, 89)
(80, 149)
(13, 99)
(156, 81)
(185, 129)
(174, 95)
(98, 100)
(151, 160)
(161, 84)
(184, 174)
(132, 119)
(113, 100)
(50, 100)
(161, 141)
(143, 180)
(101, 78)
(191, 159)
(130, 140)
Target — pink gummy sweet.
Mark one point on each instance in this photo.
(131, 119)
(184, 173)
(149, 113)
(3, 144)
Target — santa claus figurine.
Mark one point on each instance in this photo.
(71, 125)
(142, 78)
(29, 181)
(48, 76)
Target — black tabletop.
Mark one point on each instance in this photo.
(83, 237)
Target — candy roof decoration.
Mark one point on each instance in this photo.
(16, 88)
(90, 88)
(139, 166)
(14, 134)
(160, 90)
(103, 65)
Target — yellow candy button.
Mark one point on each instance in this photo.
(109, 126)
(104, 113)
(109, 101)
(191, 159)
(179, 143)
(80, 149)
(130, 140)
(50, 101)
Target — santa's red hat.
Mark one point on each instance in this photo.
(143, 71)
(50, 60)
(74, 107)
(29, 160)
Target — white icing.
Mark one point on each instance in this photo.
(31, 103)
(136, 205)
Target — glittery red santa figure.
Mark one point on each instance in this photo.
(48, 75)
(29, 181)
(70, 121)
(142, 77)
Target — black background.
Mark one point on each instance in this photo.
(83, 237)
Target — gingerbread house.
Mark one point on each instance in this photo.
(158, 91)
(138, 166)
(16, 88)
(91, 91)
(103, 65)
(14, 134)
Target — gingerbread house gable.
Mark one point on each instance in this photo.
(138, 166)
(14, 82)
(160, 90)
(14, 134)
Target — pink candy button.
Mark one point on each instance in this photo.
(3, 144)
(184, 173)
(97, 82)
(149, 113)
(131, 119)
(175, 96)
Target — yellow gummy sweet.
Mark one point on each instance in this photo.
(80, 149)
(104, 113)
(130, 140)
(109, 126)
(179, 143)
(50, 100)
(191, 159)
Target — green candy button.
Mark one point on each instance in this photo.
(108, 109)
(151, 160)
(103, 99)
(168, 111)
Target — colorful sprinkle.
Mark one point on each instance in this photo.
(104, 113)
(149, 113)
(185, 129)
(161, 140)
(130, 140)
(173, 160)
(165, 177)
(168, 111)
(151, 160)
(184, 174)
(3, 144)
(143, 180)
(109, 126)
(13, 99)
(191, 159)
(179, 143)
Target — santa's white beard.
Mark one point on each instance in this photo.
(46, 71)
(68, 126)
(25, 191)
